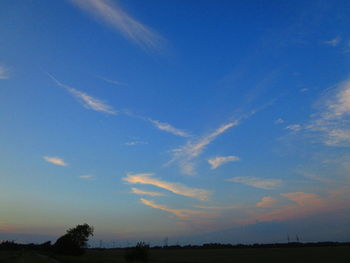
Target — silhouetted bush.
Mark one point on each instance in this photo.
(11, 245)
(74, 242)
(138, 253)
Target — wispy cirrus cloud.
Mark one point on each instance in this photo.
(99, 105)
(134, 143)
(112, 14)
(182, 214)
(141, 192)
(168, 128)
(294, 127)
(163, 126)
(220, 160)
(88, 101)
(55, 160)
(185, 154)
(267, 202)
(114, 82)
(332, 122)
(87, 177)
(279, 121)
(175, 188)
(256, 182)
(333, 42)
(4, 72)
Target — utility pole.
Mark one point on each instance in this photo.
(165, 244)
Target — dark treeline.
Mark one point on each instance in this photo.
(256, 245)
(46, 246)
(11, 245)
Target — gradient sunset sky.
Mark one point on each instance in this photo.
(200, 121)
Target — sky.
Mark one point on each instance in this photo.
(196, 121)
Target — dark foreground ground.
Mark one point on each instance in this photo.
(245, 255)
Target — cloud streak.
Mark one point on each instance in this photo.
(168, 128)
(294, 127)
(55, 160)
(220, 160)
(141, 192)
(134, 143)
(175, 188)
(262, 183)
(163, 126)
(113, 15)
(184, 155)
(88, 101)
(182, 214)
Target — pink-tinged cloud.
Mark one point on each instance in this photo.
(303, 205)
(182, 214)
(142, 192)
(55, 160)
(305, 199)
(266, 202)
(4, 227)
(175, 188)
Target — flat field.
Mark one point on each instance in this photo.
(245, 255)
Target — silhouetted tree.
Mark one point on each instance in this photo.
(138, 253)
(75, 240)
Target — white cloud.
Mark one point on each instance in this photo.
(168, 128)
(256, 182)
(333, 42)
(55, 160)
(185, 154)
(112, 14)
(114, 82)
(267, 201)
(220, 160)
(279, 121)
(134, 143)
(294, 127)
(183, 214)
(4, 72)
(86, 177)
(333, 120)
(175, 188)
(141, 192)
(89, 101)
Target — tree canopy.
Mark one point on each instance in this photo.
(75, 240)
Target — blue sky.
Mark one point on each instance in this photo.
(181, 119)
